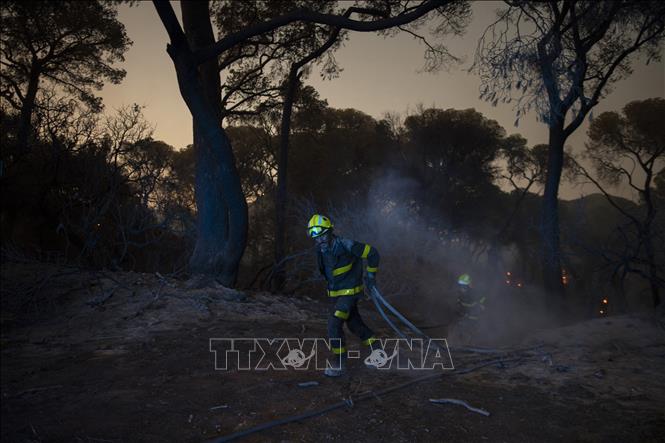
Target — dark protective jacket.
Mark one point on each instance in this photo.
(472, 305)
(341, 265)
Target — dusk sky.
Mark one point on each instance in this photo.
(379, 75)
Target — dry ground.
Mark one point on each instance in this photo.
(124, 357)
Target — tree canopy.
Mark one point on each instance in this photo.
(70, 52)
(74, 50)
(559, 58)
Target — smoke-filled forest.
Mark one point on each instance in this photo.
(306, 272)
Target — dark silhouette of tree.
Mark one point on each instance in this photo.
(253, 83)
(524, 168)
(183, 170)
(451, 153)
(222, 209)
(98, 189)
(255, 156)
(253, 71)
(71, 45)
(337, 159)
(560, 58)
(453, 22)
(630, 149)
(314, 46)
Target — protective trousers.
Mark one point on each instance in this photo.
(345, 309)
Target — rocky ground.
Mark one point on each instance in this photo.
(125, 357)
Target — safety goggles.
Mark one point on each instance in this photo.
(316, 231)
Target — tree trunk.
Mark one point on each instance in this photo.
(648, 240)
(28, 105)
(282, 174)
(550, 215)
(494, 255)
(621, 300)
(651, 260)
(221, 205)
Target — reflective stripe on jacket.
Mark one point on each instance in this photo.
(342, 265)
(473, 306)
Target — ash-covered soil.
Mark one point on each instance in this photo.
(125, 357)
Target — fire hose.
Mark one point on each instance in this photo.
(348, 403)
(379, 300)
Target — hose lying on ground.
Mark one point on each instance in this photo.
(341, 404)
(379, 299)
(476, 350)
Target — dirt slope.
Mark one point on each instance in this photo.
(124, 357)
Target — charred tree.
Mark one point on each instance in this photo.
(559, 58)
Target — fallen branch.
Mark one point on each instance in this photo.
(142, 310)
(110, 276)
(31, 293)
(349, 403)
(101, 299)
(33, 390)
(476, 350)
(461, 403)
(164, 280)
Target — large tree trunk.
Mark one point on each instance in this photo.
(27, 107)
(282, 174)
(621, 301)
(551, 258)
(653, 270)
(494, 254)
(221, 205)
(648, 242)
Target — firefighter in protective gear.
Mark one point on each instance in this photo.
(471, 305)
(340, 261)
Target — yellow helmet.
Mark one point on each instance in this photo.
(318, 225)
(464, 280)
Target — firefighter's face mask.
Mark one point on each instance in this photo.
(322, 238)
(316, 231)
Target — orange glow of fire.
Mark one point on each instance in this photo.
(605, 301)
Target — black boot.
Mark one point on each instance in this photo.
(337, 366)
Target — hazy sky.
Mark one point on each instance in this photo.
(379, 75)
